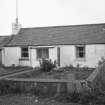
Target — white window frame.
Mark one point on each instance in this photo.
(78, 56)
(24, 52)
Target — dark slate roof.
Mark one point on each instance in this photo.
(60, 35)
(4, 40)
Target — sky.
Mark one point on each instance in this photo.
(39, 13)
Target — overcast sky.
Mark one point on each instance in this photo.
(34, 13)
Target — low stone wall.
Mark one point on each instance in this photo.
(45, 89)
(42, 87)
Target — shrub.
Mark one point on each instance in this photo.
(71, 66)
(46, 65)
(68, 97)
(73, 97)
(87, 98)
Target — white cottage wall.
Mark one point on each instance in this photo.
(11, 56)
(67, 55)
(24, 62)
(93, 55)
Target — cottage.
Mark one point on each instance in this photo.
(74, 44)
(3, 41)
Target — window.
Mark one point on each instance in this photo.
(80, 51)
(24, 52)
(42, 53)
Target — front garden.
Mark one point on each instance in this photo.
(48, 70)
(47, 93)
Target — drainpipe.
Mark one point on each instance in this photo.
(30, 56)
(58, 56)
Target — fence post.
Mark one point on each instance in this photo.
(70, 82)
(58, 89)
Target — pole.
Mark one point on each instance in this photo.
(16, 11)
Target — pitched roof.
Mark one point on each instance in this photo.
(61, 35)
(4, 40)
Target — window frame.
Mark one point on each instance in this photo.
(78, 56)
(42, 50)
(25, 51)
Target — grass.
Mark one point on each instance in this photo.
(80, 74)
(28, 100)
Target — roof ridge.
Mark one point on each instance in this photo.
(74, 25)
(75, 34)
(3, 36)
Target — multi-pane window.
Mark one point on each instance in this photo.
(42, 53)
(80, 51)
(24, 52)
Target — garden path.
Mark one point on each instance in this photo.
(15, 73)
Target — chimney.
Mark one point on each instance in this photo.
(16, 27)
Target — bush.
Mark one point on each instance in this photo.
(68, 97)
(87, 98)
(60, 98)
(46, 65)
(73, 97)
